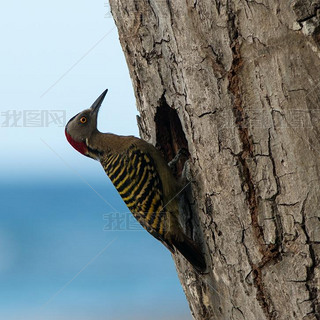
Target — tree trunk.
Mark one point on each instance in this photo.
(236, 83)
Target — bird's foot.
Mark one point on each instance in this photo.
(186, 175)
(181, 153)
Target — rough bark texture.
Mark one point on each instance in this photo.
(236, 83)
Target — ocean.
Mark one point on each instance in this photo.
(73, 251)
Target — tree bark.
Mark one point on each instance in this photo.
(236, 83)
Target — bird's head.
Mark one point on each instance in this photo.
(80, 128)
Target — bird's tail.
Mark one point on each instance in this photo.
(191, 251)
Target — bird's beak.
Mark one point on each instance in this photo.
(97, 104)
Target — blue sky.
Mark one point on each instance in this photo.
(53, 58)
(56, 59)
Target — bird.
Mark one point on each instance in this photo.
(141, 176)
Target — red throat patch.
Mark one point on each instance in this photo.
(79, 146)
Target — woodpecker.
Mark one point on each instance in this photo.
(140, 175)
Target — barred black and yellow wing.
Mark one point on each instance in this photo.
(135, 177)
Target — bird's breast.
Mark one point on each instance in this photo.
(137, 182)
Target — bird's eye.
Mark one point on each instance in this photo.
(83, 119)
